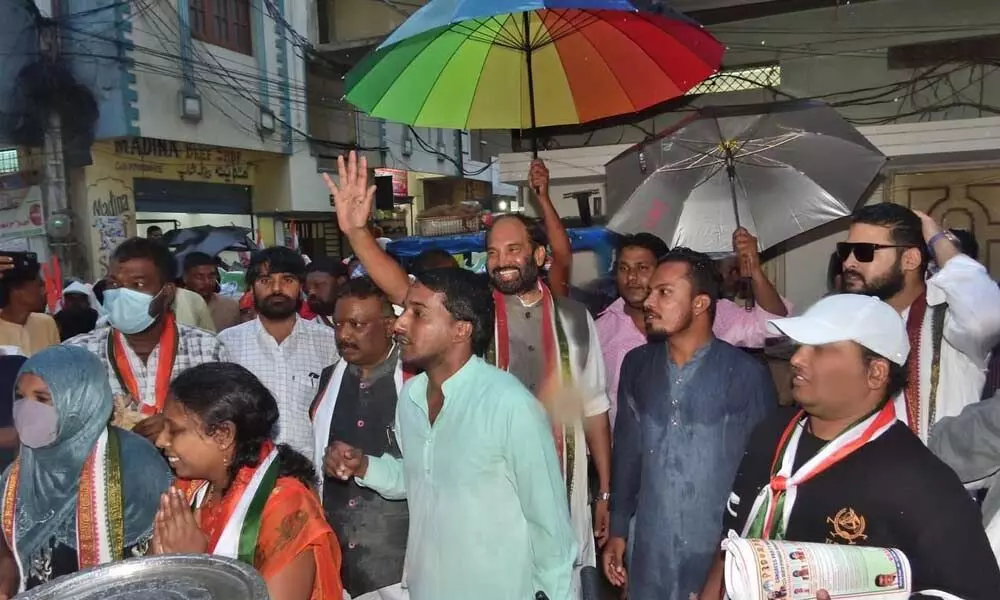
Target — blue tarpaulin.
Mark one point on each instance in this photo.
(581, 239)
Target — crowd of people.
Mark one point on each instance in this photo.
(432, 433)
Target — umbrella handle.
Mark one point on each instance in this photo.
(746, 285)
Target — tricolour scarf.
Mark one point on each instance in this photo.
(100, 518)
(233, 525)
(555, 348)
(167, 347)
(53, 482)
(772, 509)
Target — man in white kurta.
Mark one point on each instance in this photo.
(953, 317)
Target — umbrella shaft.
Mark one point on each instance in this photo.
(731, 173)
(526, 18)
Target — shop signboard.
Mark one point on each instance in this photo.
(399, 185)
(21, 213)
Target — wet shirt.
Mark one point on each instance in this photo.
(679, 436)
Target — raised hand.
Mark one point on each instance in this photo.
(929, 226)
(353, 198)
(538, 177)
(745, 246)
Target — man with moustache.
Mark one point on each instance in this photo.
(952, 318)
(840, 468)
(144, 347)
(688, 402)
(549, 343)
(356, 405)
(201, 275)
(286, 352)
(324, 278)
(478, 469)
(622, 327)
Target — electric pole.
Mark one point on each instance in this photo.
(54, 180)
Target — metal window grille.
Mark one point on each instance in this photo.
(8, 161)
(740, 80)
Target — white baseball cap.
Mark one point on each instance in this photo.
(865, 320)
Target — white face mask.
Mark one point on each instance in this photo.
(128, 310)
(37, 424)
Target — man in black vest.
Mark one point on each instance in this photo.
(357, 405)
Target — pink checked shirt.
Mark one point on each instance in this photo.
(743, 328)
(618, 335)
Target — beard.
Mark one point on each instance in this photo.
(883, 288)
(526, 280)
(277, 306)
(656, 332)
(321, 307)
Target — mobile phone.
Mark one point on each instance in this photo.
(22, 261)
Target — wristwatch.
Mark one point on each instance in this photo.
(946, 235)
(603, 497)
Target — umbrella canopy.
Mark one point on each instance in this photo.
(779, 170)
(521, 64)
(208, 239)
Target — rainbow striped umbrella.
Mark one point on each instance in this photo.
(522, 64)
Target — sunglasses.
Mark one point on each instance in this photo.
(863, 252)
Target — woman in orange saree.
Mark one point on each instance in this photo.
(245, 497)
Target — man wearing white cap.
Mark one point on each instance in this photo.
(841, 468)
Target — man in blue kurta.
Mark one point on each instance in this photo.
(489, 517)
(686, 404)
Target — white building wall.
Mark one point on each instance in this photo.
(226, 80)
(230, 84)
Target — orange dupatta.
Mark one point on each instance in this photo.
(293, 523)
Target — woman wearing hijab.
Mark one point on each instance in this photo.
(81, 493)
(249, 499)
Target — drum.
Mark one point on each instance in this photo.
(170, 577)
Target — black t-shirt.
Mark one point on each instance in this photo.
(891, 493)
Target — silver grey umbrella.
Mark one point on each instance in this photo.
(778, 169)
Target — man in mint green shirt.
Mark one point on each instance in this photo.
(488, 513)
